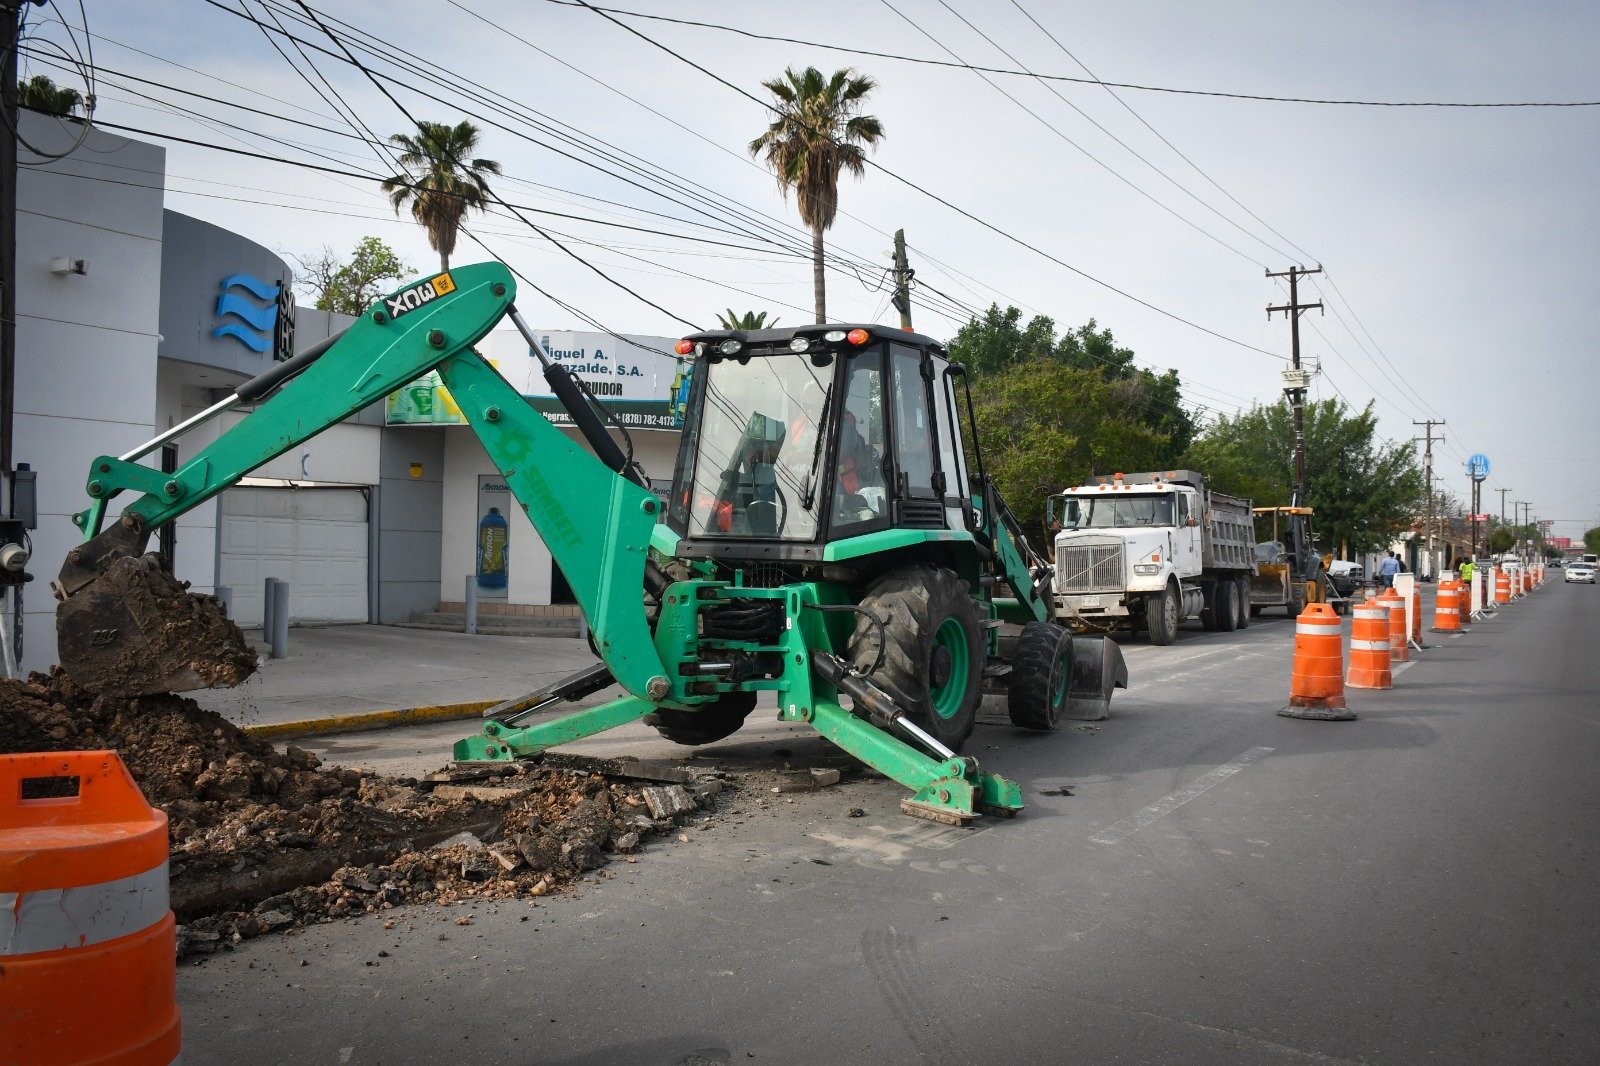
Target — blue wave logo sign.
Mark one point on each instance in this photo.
(256, 323)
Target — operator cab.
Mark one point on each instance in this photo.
(795, 438)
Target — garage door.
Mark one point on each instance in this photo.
(315, 539)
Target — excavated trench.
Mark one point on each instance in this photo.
(263, 840)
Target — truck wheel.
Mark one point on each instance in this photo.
(1246, 612)
(1226, 607)
(1210, 616)
(1041, 676)
(715, 720)
(933, 665)
(1161, 616)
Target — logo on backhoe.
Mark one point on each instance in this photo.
(408, 300)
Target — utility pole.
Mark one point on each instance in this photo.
(902, 280)
(10, 30)
(1295, 382)
(1427, 454)
(1502, 493)
(1527, 513)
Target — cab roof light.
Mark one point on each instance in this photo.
(834, 336)
(858, 337)
(731, 346)
(800, 344)
(684, 347)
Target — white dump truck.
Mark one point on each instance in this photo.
(1149, 550)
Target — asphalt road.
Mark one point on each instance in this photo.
(1222, 885)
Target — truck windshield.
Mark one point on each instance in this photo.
(755, 444)
(1108, 512)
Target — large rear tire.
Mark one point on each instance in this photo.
(714, 721)
(1246, 612)
(933, 664)
(1226, 608)
(1210, 614)
(1161, 616)
(1041, 676)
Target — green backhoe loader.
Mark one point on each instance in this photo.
(830, 533)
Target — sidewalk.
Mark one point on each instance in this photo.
(339, 678)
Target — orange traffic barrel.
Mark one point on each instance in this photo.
(1416, 615)
(1502, 586)
(87, 939)
(1316, 683)
(1447, 607)
(1399, 646)
(1369, 647)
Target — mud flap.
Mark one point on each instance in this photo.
(136, 630)
(1097, 670)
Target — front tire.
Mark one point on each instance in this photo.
(715, 720)
(1041, 676)
(933, 664)
(1161, 616)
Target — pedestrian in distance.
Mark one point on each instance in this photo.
(1387, 569)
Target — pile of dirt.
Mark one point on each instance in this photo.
(137, 629)
(263, 840)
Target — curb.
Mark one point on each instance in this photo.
(355, 723)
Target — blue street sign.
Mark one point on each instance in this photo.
(1478, 467)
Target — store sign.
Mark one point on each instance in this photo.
(1478, 467)
(249, 310)
(638, 379)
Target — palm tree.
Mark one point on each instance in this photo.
(819, 132)
(748, 320)
(440, 182)
(42, 94)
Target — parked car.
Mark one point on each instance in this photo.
(1345, 576)
(1583, 572)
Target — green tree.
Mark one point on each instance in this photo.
(998, 341)
(748, 320)
(1363, 491)
(440, 182)
(1501, 540)
(42, 94)
(1046, 426)
(349, 287)
(1591, 540)
(819, 133)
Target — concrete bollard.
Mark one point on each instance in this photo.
(471, 603)
(267, 601)
(278, 637)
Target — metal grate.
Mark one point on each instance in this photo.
(1089, 568)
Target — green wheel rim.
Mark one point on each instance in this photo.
(948, 697)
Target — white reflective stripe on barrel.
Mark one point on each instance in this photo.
(1316, 629)
(1445, 610)
(1369, 645)
(1372, 614)
(51, 919)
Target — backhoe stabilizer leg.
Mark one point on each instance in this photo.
(501, 743)
(954, 791)
(1097, 671)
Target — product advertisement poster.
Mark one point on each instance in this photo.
(493, 537)
(639, 379)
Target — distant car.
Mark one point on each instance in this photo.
(1344, 576)
(1580, 572)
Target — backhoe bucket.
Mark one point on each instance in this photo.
(136, 630)
(1097, 669)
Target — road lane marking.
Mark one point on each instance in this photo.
(1120, 831)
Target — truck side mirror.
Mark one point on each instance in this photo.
(1192, 522)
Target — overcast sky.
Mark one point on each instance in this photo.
(1459, 245)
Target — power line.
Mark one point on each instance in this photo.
(1067, 78)
(946, 203)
